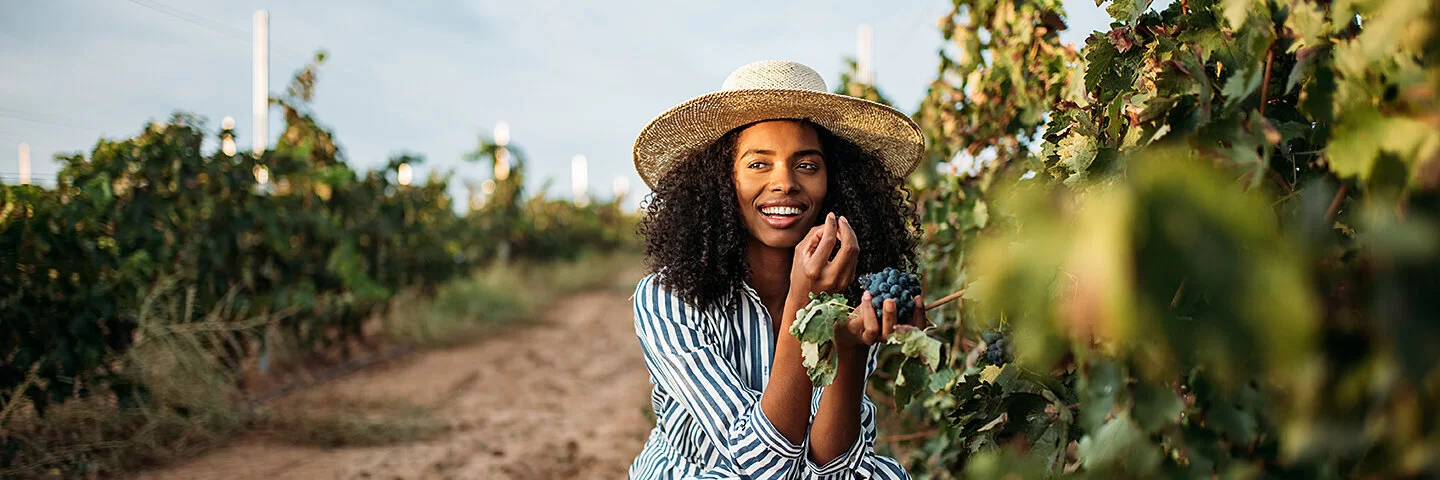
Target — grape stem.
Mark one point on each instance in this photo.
(948, 298)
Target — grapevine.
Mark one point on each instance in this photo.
(1189, 240)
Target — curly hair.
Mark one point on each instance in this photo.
(695, 235)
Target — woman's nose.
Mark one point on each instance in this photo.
(783, 180)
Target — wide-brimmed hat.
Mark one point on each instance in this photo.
(772, 90)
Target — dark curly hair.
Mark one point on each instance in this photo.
(694, 233)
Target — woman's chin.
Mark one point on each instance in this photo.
(780, 240)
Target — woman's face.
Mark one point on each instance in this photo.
(780, 180)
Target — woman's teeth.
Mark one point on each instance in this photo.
(780, 211)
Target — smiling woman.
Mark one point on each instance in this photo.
(765, 193)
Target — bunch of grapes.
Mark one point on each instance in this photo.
(998, 349)
(895, 284)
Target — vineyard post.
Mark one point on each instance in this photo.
(24, 164)
(261, 82)
(863, 67)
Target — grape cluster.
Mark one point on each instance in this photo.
(998, 349)
(899, 285)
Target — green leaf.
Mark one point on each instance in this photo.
(1363, 134)
(1127, 10)
(1100, 57)
(1304, 67)
(941, 380)
(1237, 11)
(1077, 152)
(1306, 23)
(1119, 444)
(911, 381)
(1099, 391)
(814, 327)
(914, 343)
(1242, 84)
(1156, 406)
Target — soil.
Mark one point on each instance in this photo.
(566, 398)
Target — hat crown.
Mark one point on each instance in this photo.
(775, 74)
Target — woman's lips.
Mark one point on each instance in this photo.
(780, 222)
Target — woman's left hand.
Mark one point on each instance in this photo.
(865, 328)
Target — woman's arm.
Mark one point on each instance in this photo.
(786, 401)
(837, 420)
(842, 439)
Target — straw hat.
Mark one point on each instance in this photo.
(772, 90)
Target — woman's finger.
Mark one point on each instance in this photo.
(889, 317)
(807, 245)
(856, 323)
(816, 263)
(919, 320)
(842, 268)
(872, 324)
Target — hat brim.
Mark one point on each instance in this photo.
(692, 126)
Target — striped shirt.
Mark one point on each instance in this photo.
(708, 368)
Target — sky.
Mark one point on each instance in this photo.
(429, 77)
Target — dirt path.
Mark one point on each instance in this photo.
(565, 399)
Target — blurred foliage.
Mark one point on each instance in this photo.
(1212, 235)
(291, 229)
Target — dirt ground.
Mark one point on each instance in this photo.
(563, 399)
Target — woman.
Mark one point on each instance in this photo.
(766, 192)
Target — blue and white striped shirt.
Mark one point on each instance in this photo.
(708, 368)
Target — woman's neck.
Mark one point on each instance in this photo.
(770, 273)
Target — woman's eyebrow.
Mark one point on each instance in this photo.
(808, 152)
(757, 151)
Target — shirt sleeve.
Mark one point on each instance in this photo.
(860, 461)
(687, 363)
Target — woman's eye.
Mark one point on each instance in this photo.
(809, 166)
(757, 165)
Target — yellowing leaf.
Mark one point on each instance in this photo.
(1077, 151)
(1237, 11)
(814, 326)
(990, 373)
(1307, 24)
(914, 343)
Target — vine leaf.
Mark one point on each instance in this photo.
(1364, 134)
(910, 383)
(814, 326)
(1077, 152)
(915, 344)
(1119, 443)
(1126, 10)
(1241, 84)
(1306, 24)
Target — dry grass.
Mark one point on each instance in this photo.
(193, 402)
(499, 296)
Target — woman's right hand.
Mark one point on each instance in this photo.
(813, 271)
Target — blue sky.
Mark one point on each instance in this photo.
(429, 76)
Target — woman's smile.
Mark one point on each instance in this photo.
(782, 213)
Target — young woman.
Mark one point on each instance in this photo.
(765, 192)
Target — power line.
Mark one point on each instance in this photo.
(193, 19)
(214, 26)
(41, 118)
